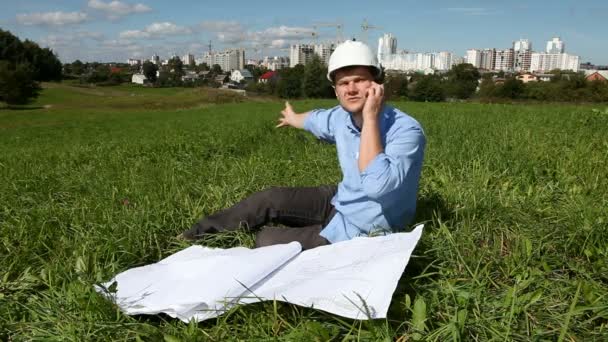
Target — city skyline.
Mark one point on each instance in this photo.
(98, 30)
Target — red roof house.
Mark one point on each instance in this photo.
(268, 76)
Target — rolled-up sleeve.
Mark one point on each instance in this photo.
(398, 166)
(320, 122)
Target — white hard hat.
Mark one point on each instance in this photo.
(352, 53)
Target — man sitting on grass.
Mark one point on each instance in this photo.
(380, 150)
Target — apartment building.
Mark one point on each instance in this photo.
(503, 60)
(522, 50)
(543, 62)
(228, 60)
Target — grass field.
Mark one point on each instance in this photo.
(514, 198)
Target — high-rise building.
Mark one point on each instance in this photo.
(187, 59)
(487, 59)
(474, 57)
(324, 51)
(503, 60)
(428, 62)
(522, 61)
(387, 47)
(543, 62)
(275, 63)
(555, 45)
(522, 50)
(231, 59)
(300, 54)
(457, 60)
(405, 61)
(442, 60)
(522, 45)
(155, 59)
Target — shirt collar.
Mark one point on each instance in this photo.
(350, 122)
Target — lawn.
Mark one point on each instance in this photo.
(94, 181)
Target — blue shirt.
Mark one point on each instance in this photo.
(382, 198)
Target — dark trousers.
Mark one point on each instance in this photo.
(304, 210)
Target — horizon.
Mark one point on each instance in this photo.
(114, 31)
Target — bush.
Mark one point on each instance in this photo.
(17, 85)
(428, 89)
(290, 82)
(462, 81)
(315, 83)
(395, 86)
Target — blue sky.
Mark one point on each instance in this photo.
(105, 30)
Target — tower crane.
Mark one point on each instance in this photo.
(261, 48)
(365, 26)
(339, 34)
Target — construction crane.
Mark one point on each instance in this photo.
(338, 26)
(366, 27)
(261, 48)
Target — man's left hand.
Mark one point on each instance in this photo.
(373, 102)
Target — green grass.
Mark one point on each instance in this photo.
(514, 198)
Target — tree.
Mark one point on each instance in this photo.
(462, 81)
(46, 65)
(17, 85)
(487, 89)
(176, 71)
(100, 73)
(428, 89)
(202, 67)
(396, 86)
(290, 82)
(43, 62)
(511, 89)
(315, 83)
(597, 91)
(11, 48)
(216, 69)
(78, 68)
(150, 70)
(256, 71)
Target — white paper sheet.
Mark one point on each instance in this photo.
(197, 277)
(354, 279)
(200, 283)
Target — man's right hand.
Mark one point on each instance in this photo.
(291, 118)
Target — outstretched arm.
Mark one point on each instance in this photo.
(291, 118)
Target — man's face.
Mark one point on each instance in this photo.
(351, 87)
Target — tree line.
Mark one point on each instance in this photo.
(462, 82)
(465, 82)
(22, 66)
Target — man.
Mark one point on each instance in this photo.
(380, 150)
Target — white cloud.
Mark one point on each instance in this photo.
(52, 18)
(279, 44)
(156, 30)
(117, 9)
(76, 39)
(89, 35)
(229, 32)
(232, 32)
(117, 43)
(134, 34)
(285, 32)
(222, 26)
(167, 28)
(53, 41)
